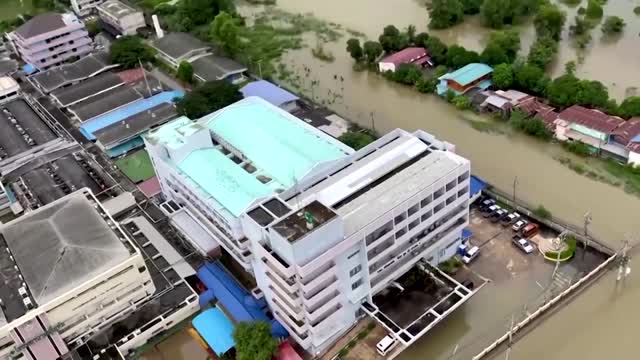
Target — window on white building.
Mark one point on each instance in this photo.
(356, 284)
(353, 254)
(355, 270)
(414, 209)
(400, 218)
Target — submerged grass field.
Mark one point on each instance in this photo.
(137, 166)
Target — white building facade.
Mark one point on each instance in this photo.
(84, 7)
(121, 16)
(340, 234)
(87, 289)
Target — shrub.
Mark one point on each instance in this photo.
(568, 253)
(343, 352)
(636, 10)
(533, 127)
(578, 147)
(461, 102)
(594, 10)
(613, 25)
(542, 212)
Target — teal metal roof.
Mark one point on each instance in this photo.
(173, 133)
(468, 73)
(276, 142)
(220, 177)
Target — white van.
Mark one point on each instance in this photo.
(386, 344)
(471, 254)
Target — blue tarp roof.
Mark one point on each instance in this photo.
(216, 329)
(240, 304)
(269, 92)
(466, 233)
(29, 69)
(636, 139)
(88, 128)
(476, 185)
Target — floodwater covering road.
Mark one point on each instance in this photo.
(372, 101)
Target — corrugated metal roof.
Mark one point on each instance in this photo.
(593, 119)
(216, 329)
(468, 73)
(269, 92)
(405, 56)
(628, 131)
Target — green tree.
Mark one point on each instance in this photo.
(440, 70)
(407, 74)
(471, 7)
(356, 139)
(185, 72)
(411, 33)
(193, 13)
(372, 50)
(592, 93)
(93, 28)
(207, 98)
(549, 21)
(129, 51)
(392, 39)
(354, 49)
(613, 25)
(497, 13)
(457, 57)
(437, 50)
(254, 341)
(503, 47)
(542, 52)
(630, 107)
(594, 9)
(445, 13)
(426, 86)
(421, 39)
(224, 31)
(563, 90)
(503, 76)
(534, 127)
(570, 67)
(529, 78)
(461, 102)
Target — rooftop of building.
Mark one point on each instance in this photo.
(44, 23)
(63, 75)
(590, 118)
(117, 8)
(15, 115)
(107, 102)
(628, 131)
(468, 73)
(380, 177)
(270, 92)
(179, 44)
(303, 221)
(406, 55)
(88, 88)
(120, 115)
(174, 134)
(57, 248)
(7, 83)
(135, 124)
(212, 67)
(7, 66)
(281, 145)
(223, 179)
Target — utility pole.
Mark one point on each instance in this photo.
(455, 351)
(515, 184)
(623, 266)
(260, 68)
(587, 222)
(510, 338)
(373, 121)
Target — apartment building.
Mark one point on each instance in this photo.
(324, 244)
(50, 39)
(124, 19)
(216, 172)
(69, 272)
(84, 7)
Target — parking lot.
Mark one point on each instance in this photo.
(518, 284)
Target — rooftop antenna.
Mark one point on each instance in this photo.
(144, 75)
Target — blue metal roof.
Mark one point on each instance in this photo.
(240, 304)
(466, 233)
(88, 128)
(269, 92)
(29, 69)
(476, 185)
(468, 73)
(636, 139)
(216, 329)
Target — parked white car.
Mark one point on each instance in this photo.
(519, 225)
(386, 344)
(523, 244)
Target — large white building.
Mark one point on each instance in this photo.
(84, 7)
(321, 238)
(69, 272)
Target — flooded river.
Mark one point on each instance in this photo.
(603, 313)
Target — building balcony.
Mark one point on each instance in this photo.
(293, 306)
(286, 286)
(275, 263)
(329, 314)
(311, 300)
(312, 285)
(322, 299)
(299, 333)
(294, 320)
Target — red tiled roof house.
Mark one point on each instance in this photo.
(413, 55)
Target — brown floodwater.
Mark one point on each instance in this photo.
(598, 325)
